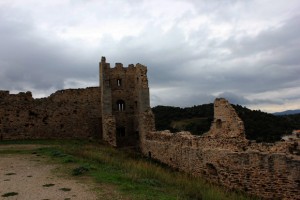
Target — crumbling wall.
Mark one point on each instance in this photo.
(109, 128)
(224, 156)
(72, 113)
(226, 123)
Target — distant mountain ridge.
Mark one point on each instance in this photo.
(287, 112)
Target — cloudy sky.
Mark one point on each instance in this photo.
(196, 50)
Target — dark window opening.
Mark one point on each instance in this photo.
(136, 104)
(119, 82)
(120, 105)
(121, 132)
(31, 113)
(45, 119)
(212, 170)
(149, 154)
(219, 124)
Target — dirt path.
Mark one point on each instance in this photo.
(28, 177)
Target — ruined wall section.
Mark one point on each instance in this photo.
(108, 120)
(227, 158)
(72, 113)
(227, 123)
(145, 115)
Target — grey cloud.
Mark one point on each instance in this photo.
(238, 99)
(271, 38)
(180, 97)
(190, 69)
(30, 61)
(234, 98)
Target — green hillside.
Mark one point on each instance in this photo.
(260, 126)
(196, 119)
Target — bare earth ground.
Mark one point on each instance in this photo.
(33, 179)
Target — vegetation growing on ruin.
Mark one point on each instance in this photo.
(259, 126)
(128, 173)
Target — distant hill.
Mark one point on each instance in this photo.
(287, 112)
(196, 119)
(259, 126)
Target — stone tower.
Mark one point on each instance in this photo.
(124, 99)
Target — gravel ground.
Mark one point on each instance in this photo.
(28, 177)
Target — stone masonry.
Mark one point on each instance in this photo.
(125, 95)
(72, 113)
(119, 113)
(225, 157)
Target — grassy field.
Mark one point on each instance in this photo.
(128, 172)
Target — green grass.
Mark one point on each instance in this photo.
(131, 174)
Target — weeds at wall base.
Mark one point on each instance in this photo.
(134, 176)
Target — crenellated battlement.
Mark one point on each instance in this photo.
(125, 94)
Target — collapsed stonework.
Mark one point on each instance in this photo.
(224, 156)
(119, 113)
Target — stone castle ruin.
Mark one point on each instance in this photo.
(119, 113)
(124, 97)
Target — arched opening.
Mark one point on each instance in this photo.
(121, 132)
(137, 134)
(212, 170)
(219, 123)
(120, 105)
(119, 82)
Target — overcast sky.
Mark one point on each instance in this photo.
(247, 51)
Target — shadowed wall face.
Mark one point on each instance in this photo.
(72, 113)
(125, 95)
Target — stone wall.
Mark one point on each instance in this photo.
(224, 156)
(71, 113)
(125, 95)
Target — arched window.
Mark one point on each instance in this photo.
(120, 105)
(119, 82)
(121, 132)
(135, 104)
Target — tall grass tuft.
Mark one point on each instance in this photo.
(135, 176)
